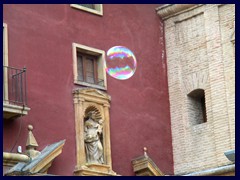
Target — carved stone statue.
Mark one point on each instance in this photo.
(92, 134)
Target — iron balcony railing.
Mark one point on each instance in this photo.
(14, 86)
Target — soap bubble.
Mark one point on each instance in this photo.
(120, 62)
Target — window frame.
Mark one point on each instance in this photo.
(5, 61)
(100, 58)
(98, 8)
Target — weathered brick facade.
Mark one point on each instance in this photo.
(200, 43)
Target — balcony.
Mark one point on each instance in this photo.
(14, 92)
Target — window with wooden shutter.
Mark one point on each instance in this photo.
(89, 67)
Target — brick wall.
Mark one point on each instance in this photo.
(200, 45)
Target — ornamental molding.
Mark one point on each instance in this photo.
(91, 93)
(168, 10)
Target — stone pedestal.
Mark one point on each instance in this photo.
(95, 170)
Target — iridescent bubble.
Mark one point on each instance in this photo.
(120, 62)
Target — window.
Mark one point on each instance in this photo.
(92, 8)
(197, 107)
(89, 69)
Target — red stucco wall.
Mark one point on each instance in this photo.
(41, 37)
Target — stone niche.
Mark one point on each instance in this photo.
(92, 115)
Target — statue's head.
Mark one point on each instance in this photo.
(92, 115)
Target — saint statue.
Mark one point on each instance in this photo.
(92, 139)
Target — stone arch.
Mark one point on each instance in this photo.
(196, 92)
(95, 109)
(197, 80)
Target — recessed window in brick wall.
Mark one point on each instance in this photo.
(196, 107)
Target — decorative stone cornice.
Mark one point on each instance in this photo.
(169, 10)
(95, 170)
(144, 166)
(13, 111)
(91, 93)
(11, 159)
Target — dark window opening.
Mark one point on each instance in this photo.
(203, 108)
(197, 107)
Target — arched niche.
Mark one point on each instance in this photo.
(92, 100)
